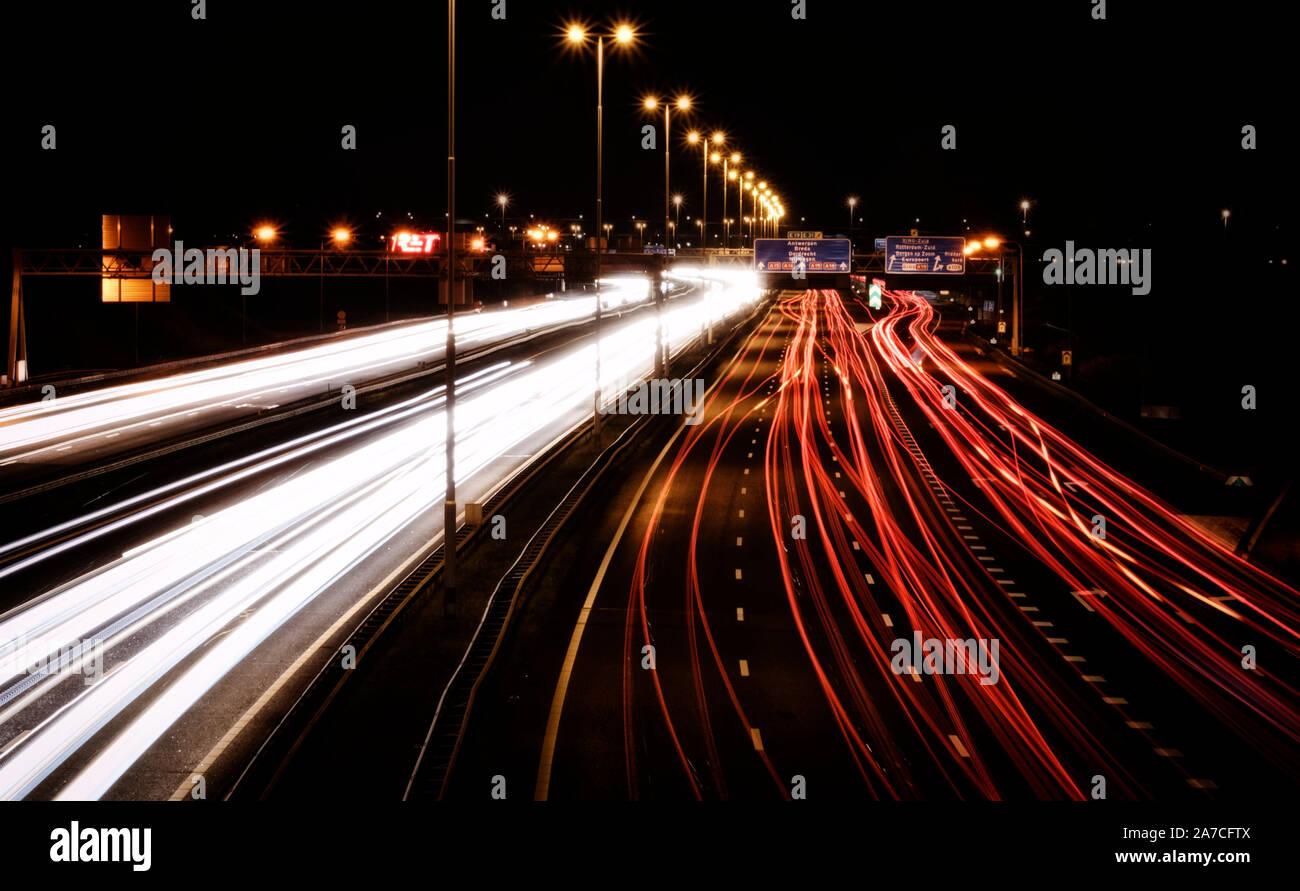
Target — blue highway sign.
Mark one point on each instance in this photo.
(925, 255)
(816, 255)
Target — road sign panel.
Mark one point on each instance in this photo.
(811, 255)
(797, 234)
(873, 294)
(880, 245)
(925, 255)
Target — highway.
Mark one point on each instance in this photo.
(89, 426)
(740, 638)
(145, 630)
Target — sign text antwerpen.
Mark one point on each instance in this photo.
(809, 255)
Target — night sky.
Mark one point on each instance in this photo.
(1123, 133)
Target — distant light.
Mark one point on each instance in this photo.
(265, 233)
(624, 34)
(341, 235)
(651, 103)
(576, 34)
(684, 103)
(991, 242)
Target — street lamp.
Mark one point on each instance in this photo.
(677, 205)
(683, 104)
(340, 236)
(733, 158)
(1024, 211)
(853, 202)
(577, 35)
(993, 243)
(503, 200)
(718, 138)
(1225, 213)
(640, 228)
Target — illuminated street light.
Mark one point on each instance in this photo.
(265, 233)
(683, 103)
(503, 200)
(577, 34)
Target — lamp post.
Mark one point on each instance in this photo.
(734, 158)
(340, 236)
(853, 203)
(503, 200)
(1017, 294)
(577, 36)
(640, 228)
(683, 104)
(449, 360)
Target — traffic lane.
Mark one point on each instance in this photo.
(549, 429)
(1156, 714)
(749, 618)
(48, 517)
(90, 426)
(147, 777)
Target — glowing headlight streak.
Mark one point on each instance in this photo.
(329, 518)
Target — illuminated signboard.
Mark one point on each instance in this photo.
(413, 242)
(803, 254)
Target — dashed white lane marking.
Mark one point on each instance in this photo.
(744, 491)
(744, 668)
(855, 546)
(889, 623)
(956, 744)
(740, 614)
(746, 471)
(870, 580)
(739, 541)
(737, 574)
(742, 513)
(758, 739)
